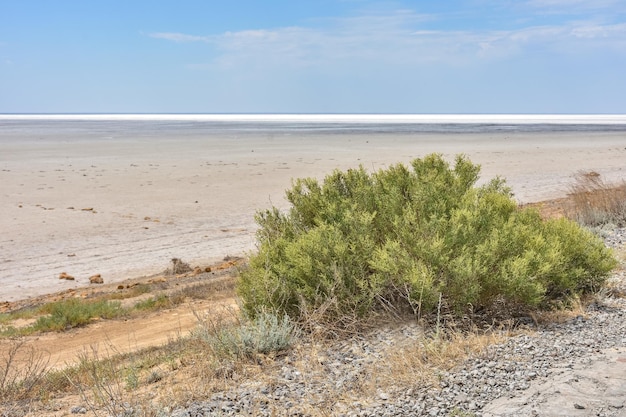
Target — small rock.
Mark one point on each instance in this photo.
(578, 406)
(78, 410)
(178, 267)
(65, 275)
(96, 279)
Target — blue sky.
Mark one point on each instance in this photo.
(317, 56)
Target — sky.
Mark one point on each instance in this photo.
(313, 56)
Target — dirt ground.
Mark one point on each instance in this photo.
(136, 332)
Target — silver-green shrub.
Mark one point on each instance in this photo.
(264, 333)
(403, 236)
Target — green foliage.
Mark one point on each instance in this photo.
(70, 313)
(8, 330)
(158, 302)
(401, 237)
(61, 315)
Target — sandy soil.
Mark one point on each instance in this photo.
(123, 206)
(136, 332)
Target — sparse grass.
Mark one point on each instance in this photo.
(135, 291)
(207, 290)
(8, 330)
(114, 383)
(72, 313)
(571, 308)
(157, 302)
(21, 370)
(102, 382)
(198, 292)
(419, 363)
(61, 315)
(202, 291)
(595, 202)
(7, 318)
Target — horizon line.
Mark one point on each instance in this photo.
(321, 118)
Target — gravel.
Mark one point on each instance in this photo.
(503, 371)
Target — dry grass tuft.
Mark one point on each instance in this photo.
(100, 382)
(23, 373)
(594, 202)
(418, 363)
(571, 309)
(315, 323)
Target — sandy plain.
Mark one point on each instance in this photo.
(123, 206)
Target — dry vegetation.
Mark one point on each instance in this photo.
(227, 350)
(593, 202)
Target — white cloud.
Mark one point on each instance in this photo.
(179, 37)
(603, 10)
(396, 39)
(567, 5)
(591, 31)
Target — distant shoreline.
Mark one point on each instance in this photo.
(604, 119)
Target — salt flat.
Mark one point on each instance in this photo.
(123, 204)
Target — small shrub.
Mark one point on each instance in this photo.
(264, 334)
(132, 378)
(403, 237)
(154, 377)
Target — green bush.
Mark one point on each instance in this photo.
(401, 237)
